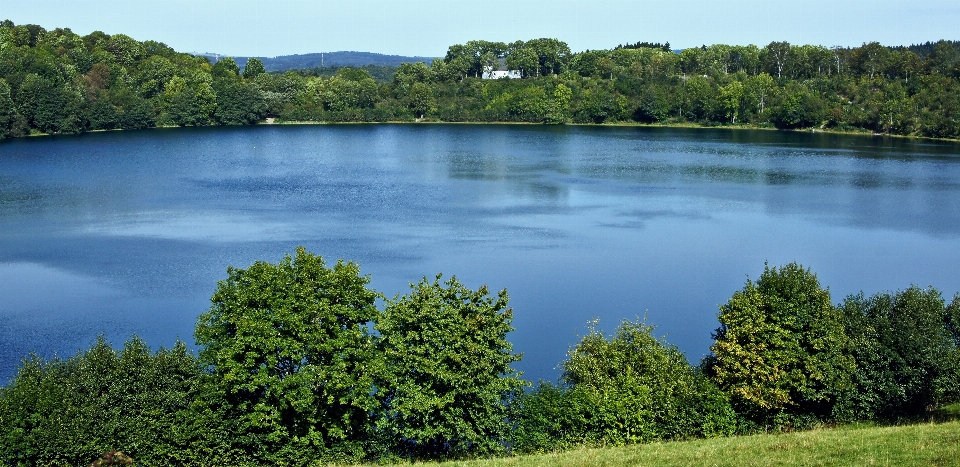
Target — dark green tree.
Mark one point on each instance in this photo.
(41, 102)
(781, 349)
(448, 374)
(239, 103)
(225, 68)
(906, 349)
(68, 412)
(289, 347)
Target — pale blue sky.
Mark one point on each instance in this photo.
(427, 27)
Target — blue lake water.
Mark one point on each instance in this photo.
(128, 232)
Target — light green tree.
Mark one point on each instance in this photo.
(760, 87)
(560, 110)
(731, 100)
(625, 388)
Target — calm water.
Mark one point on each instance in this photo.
(128, 232)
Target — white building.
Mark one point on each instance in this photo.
(489, 73)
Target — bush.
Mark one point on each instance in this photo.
(69, 412)
(781, 351)
(628, 388)
(906, 348)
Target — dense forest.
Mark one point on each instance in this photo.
(58, 82)
(300, 363)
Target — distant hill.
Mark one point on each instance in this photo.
(325, 59)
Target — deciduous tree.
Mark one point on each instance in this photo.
(448, 374)
(781, 349)
(288, 344)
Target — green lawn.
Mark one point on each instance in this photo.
(929, 444)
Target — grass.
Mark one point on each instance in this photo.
(927, 444)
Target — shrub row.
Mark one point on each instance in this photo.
(297, 366)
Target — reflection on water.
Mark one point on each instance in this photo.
(128, 232)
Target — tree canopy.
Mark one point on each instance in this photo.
(60, 82)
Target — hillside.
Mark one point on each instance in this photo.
(325, 59)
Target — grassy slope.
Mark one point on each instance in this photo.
(936, 444)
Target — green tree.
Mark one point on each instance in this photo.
(49, 107)
(907, 354)
(552, 55)
(759, 88)
(239, 104)
(798, 107)
(126, 49)
(8, 114)
(253, 68)
(560, 110)
(288, 345)
(408, 74)
(189, 102)
(421, 99)
(778, 54)
(523, 58)
(627, 388)
(225, 68)
(870, 59)
(730, 101)
(448, 374)
(68, 412)
(781, 349)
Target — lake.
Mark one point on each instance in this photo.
(128, 232)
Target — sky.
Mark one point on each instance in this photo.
(428, 27)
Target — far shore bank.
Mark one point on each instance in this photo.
(276, 121)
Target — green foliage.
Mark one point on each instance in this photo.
(225, 69)
(560, 110)
(349, 90)
(623, 389)
(420, 99)
(781, 349)
(906, 348)
(8, 115)
(239, 104)
(253, 68)
(69, 412)
(288, 346)
(58, 81)
(448, 374)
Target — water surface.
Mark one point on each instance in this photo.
(128, 232)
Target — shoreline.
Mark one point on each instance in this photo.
(275, 121)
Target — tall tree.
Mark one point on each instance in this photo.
(8, 114)
(288, 344)
(448, 374)
(777, 54)
(253, 68)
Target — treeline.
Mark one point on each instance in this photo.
(59, 82)
(298, 366)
